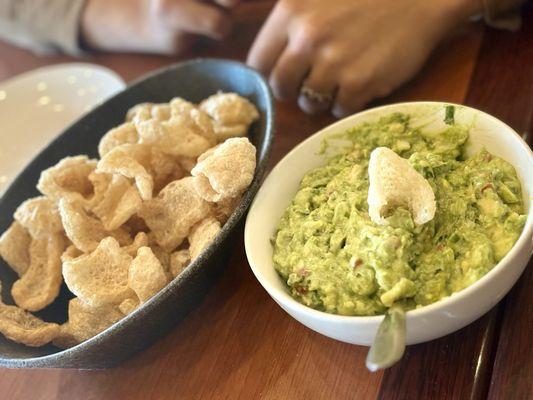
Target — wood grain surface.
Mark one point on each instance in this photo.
(238, 344)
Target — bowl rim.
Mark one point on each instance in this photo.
(245, 202)
(284, 298)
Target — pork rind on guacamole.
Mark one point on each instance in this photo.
(393, 182)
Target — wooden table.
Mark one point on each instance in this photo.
(239, 344)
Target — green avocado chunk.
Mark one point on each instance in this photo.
(335, 259)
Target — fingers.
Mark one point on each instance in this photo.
(348, 102)
(364, 82)
(295, 52)
(269, 44)
(289, 73)
(181, 43)
(357, 85)
(323, 81)
(198, 18)
(356, 92)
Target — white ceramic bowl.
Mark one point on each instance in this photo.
(37, 105)
(423, 324)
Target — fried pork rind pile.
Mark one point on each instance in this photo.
(117, 230)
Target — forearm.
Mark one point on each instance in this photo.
(42, 25)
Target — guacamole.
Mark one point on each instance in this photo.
(335, 259)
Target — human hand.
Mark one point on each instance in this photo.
(152, 26)
(344, 53)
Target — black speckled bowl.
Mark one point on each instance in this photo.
(193, 80)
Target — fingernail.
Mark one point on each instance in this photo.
(338, 111)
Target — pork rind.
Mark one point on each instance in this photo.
(184, 115)
(39, 216)
(22, 327)
(179, 261)
(187, 163)
(225, 207)
(135, 225)
(232, 114)
(69, 178)
(129, 305)
(84, 322)
(119, 203)
(394, 182)
(101, 277)
(85, 231)
(147, 276)
(122, 134)
(164, 169)
(163, 256)
(146, 111)
(180, 136)
(161, 111)
(180, 107)
(172, 214)
(226, 172)
(202, 234)
(40, 284)
(140, 240)
(70, 253)
(206, 154)
(15, 248)
(192, 116)
(139, 112)
(100, 182)
(128, 160)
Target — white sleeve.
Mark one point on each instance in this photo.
(43, 26)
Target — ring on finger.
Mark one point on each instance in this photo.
(314, 96)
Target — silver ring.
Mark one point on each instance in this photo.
(316, 97)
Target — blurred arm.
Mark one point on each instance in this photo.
(42, 26)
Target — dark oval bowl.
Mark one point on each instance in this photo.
(193, 80)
